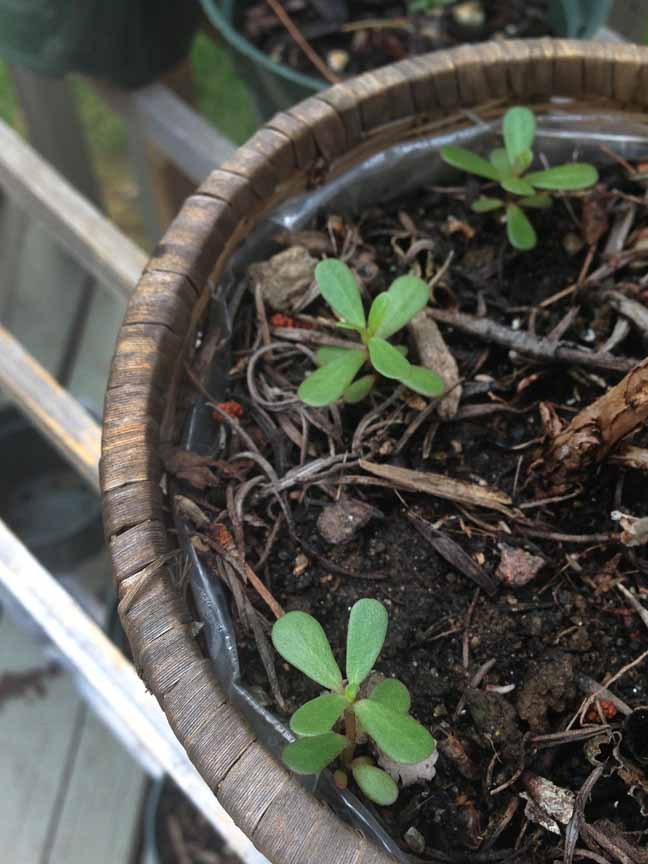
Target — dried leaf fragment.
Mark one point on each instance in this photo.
(547, 804)
(441, 486)
(284, 278)
(435, 355)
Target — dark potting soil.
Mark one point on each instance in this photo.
(358, 35)
(500, 676)
(182, 834)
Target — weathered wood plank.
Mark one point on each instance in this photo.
(91, 238)
(117, 692)
(36, 733)
(64, 422)
(100, 817)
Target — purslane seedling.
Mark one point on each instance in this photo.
(390, 312)
(508, 166)
(382, 715)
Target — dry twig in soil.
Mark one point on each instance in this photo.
(597, 429)
(544, 350)
(440, 486)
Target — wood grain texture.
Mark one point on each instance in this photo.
(131, 505)
(63, 421)
(300, 135)
(298, 148)
(88, 235)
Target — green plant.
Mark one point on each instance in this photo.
(427, 5)
(390, 312)
(382, 715)
(508, 166)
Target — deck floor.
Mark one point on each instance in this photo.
(71, 793)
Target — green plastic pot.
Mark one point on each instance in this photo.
(127, 42)
(277, 87)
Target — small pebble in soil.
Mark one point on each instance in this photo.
(339, 522)
(337, 60)
(414, 840)
(517, 567)
(572, 243)
(469, 16)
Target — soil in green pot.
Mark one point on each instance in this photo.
(359, 35)
(516, 594)
(181, 835)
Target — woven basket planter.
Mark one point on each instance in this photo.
(299, 149)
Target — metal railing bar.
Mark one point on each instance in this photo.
(92, 239)
(63, 421)
(118, 694)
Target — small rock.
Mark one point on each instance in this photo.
(434, 354)
(517, 567)
(408, 775)
(414, 840)
(284, 278)
(337, 59)
(469, 15)
(339, 522)
(572, 243)
(301, 565)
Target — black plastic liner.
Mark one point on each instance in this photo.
(561, 136)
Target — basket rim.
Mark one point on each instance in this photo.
(296, 149)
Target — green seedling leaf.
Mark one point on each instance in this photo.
(327, 354)
(392, 693)
(360, 389)
(339, 288)
(423, 381)
(398, 735)
(522, 161)
(387, 360)
(376, 784)
(484, 204)
(377, 312)
(468, 161)
(426, 5)
(516, 186)
(537, 202)
(407, 295)
(319, 715)
(574, 175)
(519, 230)
(328, 384)
(312, 755)
(518, 129)
(300, 640)
(365, 638)
(500, 162)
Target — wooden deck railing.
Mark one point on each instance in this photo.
(107, 679)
